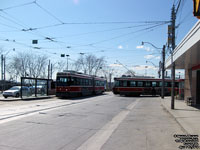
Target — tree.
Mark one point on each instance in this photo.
(89, 64)
(28, 64)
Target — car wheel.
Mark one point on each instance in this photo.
(17, 95)
(5, 96)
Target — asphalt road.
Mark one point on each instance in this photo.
(106, 122)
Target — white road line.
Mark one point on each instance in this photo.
(99, 139)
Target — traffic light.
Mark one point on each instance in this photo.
(62, 55)
(196, 9)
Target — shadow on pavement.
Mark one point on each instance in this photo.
(187, 109)
(80, 97)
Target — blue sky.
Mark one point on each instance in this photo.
(92, 29)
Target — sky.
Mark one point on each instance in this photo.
(113, 29)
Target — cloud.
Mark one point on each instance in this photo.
(148, 49)
(140, 47)
(115, 65)
(143, 67)
(76, 1)
(120, 47)
(158, 57)
(149, 56)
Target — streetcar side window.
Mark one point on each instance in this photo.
(154, 84)
(72, 81)
(148, 84)
(116, 83)
(78, 81)
(124, 83)
(140, 84)
(102, 83)
(120, 83)
(169, 84)
(176, 84)
(86, 82)
(90, 82)
(132, 84)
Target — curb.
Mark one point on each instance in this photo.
(27, 99)
(171, 114)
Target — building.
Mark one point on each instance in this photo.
(187, 56)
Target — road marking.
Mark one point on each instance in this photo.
(99, 139)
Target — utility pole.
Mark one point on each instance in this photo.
(51, 70)
(173, 25)
(67, 61)
(110, 79)
(2, 73)
(163, 72)
(2, 67)
(49, 65)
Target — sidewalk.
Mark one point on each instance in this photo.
(26, 98)
(187, 116)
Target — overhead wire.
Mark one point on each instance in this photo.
(16, 6)
(49, 13)
(77, 23)
(122, 35)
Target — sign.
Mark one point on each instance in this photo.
(196, 10)
(34, 41)
(62, 55)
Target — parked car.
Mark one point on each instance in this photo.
(40, 89)
(15, 91)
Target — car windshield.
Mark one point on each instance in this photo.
(15, 88)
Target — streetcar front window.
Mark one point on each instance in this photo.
(63, 81)
(116, 84)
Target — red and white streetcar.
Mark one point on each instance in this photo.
(72, 84)
(136, 86)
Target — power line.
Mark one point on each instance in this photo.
(16, 6)
(124, 35)
(49, 13)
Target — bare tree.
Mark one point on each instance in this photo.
(28, 64)
(89, 64)
(1, 50)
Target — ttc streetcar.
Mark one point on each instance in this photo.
(72, 84)
(136, 86)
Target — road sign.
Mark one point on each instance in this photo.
(196, 9)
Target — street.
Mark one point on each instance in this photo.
(90, 123)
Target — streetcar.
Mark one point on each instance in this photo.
(136, 86)
(73, 84)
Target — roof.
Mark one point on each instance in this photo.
(186, 53)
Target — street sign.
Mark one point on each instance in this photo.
(196, 10)
(34, 41)
(62, 55)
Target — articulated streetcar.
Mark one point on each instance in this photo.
(133, 86)
(72, 84)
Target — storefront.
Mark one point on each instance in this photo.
(187, 56)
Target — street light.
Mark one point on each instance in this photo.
(163, 66)
(151, 45)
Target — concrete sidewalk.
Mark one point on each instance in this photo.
(26, 98)
(187, 116)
